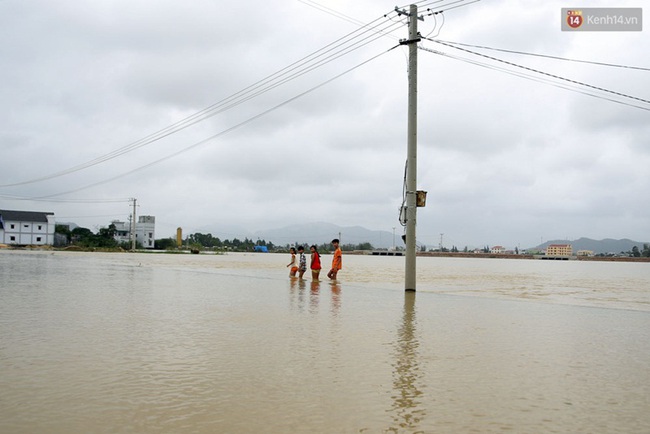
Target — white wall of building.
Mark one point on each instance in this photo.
(26, 231)
(145, 231)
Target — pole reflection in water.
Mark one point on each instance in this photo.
(407, 375)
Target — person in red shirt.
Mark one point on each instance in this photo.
(337, 261)
(315, 263)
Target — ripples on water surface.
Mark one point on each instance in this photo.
(199, 343)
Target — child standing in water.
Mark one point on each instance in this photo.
(302, 261)
(293, 264)
(315, 263)
(337, 261)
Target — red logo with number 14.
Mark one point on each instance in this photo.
(574, 19)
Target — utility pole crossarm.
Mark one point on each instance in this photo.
(410, 41)
(409, 14)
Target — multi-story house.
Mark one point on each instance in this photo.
(559, 250)
(27, 227)
(498, 250)
(145, 231)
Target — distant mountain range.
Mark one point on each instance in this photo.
(607, 245)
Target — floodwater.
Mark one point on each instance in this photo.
(157, 343)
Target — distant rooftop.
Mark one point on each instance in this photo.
(24, 216)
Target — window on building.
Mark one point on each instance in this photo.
(13, 238)
(26, 225)
(13, 226)
(38, 239)
(40, 227)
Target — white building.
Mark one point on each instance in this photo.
(27, 227)
(145, 231)
(498, 250)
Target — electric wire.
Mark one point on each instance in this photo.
(435, 20)
(429, 5)
(37, 199)
(241, 96)
(613, 65)
(223, 132)
(89, 216)
(331, 11)
(542, 79)
(333, 51)
(145, 142)
(580, 83)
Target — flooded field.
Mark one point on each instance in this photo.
(152, 343)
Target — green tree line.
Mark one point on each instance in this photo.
(84, 237)
(208, 241)
(105, 238)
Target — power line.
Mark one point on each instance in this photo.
(439, 8)
(435, 20)
(239, 125)
(331, 11)
(601, 89)
(43, 199)
(523, 75)
(88, 216)
(316, 59)
(332, 51)
(613, 65)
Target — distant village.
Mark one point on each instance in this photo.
(29, 228)
(551, 250)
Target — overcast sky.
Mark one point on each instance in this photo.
(506, 160)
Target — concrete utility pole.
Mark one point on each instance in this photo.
(133, 226)
(412, 136)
